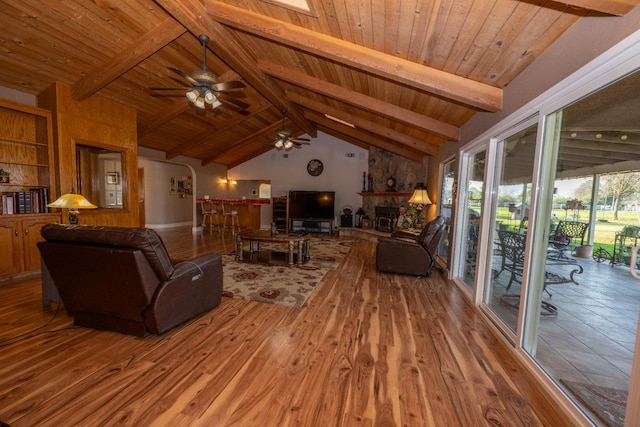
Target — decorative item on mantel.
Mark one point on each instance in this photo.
(5, 177)
(364, 181)
(370, 184)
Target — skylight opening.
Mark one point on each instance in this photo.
(301, 6)
(335, 119)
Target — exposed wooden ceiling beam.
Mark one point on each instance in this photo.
(587, 145)
(441, 83)
(192, 15)
(174, 110)
(141, 49)
(612, 7)
(596, 156)
(262, 132)
(209, 134)
(357, 99)
(347, 138)
(252, 155)
(400, 150)
(401, 138)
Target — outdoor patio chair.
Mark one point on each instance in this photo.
(512, 251)
(567, 235)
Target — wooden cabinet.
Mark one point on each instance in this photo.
(26, 158)
(19, 235)
(27, 184)
(280, 206)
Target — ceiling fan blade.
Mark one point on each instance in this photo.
(232, 101)
(184, 75)
(170, 88)
(302, 139)
(236, 84)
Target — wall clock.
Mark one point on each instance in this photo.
(315, 167)
(391, 184)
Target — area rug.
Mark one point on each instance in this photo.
(608, 404)
(283, 285)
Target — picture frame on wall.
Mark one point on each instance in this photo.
(113, 178)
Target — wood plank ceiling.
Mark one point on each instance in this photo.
(405, 74)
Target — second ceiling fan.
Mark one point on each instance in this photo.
(204, 86)
(284, 139)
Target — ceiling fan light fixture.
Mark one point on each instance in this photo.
(279, 144)
(288, 145)
(192, 95)
(209, 97)
(199, 102)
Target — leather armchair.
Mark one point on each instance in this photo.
(122, 279)
(401, 253)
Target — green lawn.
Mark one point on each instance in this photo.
(605, 231)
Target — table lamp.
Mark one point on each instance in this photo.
(73, 202)
(420, 199)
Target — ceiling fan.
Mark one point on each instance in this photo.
(284, 139)
(205, 88)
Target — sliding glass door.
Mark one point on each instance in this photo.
(447, 198)
(471, 191)
(509, 213)
(581, 273)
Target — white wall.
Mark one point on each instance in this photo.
(341, 174)
(162, 209)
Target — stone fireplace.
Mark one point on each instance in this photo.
(386, 217)
(382, 166)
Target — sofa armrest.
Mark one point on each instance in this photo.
(194, 288)
(405, 256)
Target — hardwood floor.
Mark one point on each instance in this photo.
(366, 349)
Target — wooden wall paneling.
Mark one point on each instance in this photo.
(103, 123)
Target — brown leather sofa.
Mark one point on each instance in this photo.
(406, 254)
(122, 279)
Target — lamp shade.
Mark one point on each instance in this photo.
(72, 201)
(420, 196)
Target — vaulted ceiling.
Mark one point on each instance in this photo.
(405, 75)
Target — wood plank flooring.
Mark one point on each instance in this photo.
(366, 349)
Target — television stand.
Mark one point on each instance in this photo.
(312, 225)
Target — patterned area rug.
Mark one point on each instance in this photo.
(283, 285)
(609, 404)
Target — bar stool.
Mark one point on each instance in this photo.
(210, 212)
(228, 211)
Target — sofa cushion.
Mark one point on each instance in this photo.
(143, 239)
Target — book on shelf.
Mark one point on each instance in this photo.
(25, 202)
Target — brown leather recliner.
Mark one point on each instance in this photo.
(122, 279)
(401, 253)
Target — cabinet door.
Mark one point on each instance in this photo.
(31, 232)
(10, 247)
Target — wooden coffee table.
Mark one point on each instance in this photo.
(298, 247)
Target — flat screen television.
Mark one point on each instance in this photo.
(311, 204)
